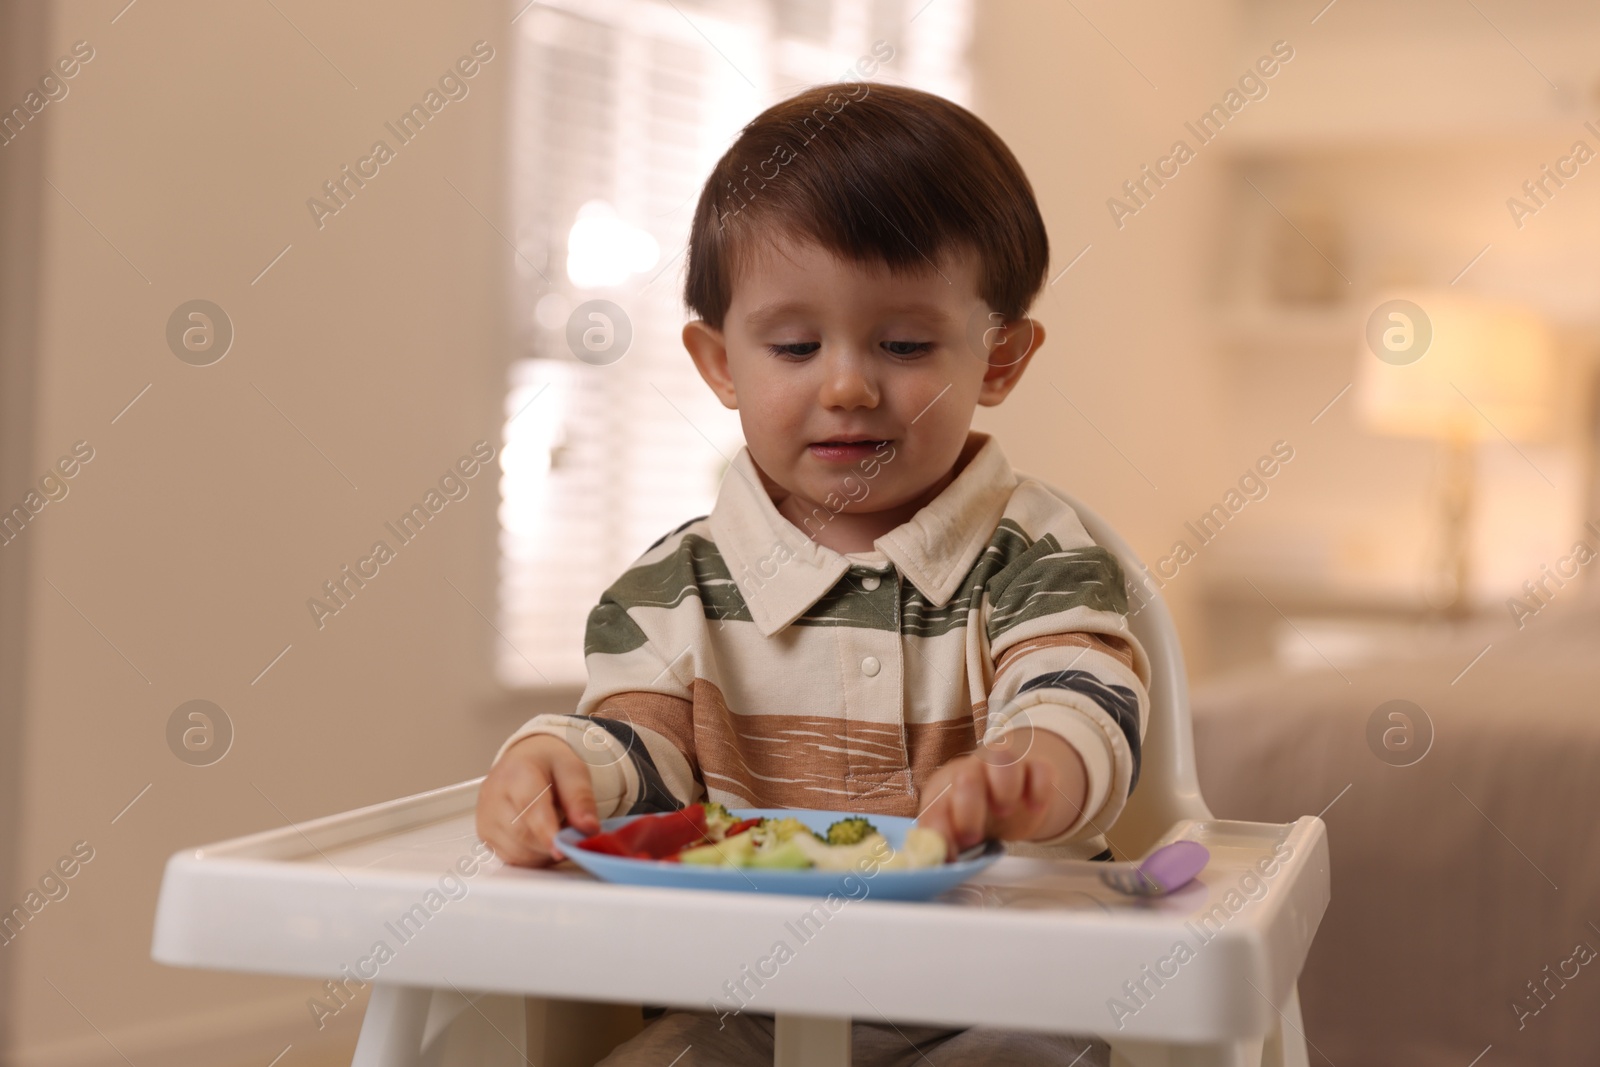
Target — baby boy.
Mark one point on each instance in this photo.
(878, 615)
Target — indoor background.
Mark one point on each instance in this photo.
(256, 346)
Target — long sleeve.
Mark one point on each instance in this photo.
(634, 725)
(1064, 661)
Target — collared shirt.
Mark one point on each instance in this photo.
(740, 661)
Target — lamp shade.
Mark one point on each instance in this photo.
(1448, 366)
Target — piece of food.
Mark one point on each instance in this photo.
(921, 848)
(777, 831)
(788, 855)
(851, 831)
(653, 836)
(718, 820)
(735, 850)
(872, 850)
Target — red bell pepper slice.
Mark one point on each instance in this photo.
(652, 836)
(606, 843)
(740, 827)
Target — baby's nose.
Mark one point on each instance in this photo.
(849, 384)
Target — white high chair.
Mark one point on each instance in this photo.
(1169, 788)
(1169, 785)
(572, 959)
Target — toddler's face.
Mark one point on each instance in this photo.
(840, 368)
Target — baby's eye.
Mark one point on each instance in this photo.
(796, 350)
(905, 349)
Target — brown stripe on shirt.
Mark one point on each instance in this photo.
(1115, 647)
(803, 761)
(671, 717)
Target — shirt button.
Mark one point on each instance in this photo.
(870, 666)
(871, 582)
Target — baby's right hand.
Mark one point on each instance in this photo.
(522, 801)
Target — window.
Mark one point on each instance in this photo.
(620, 110)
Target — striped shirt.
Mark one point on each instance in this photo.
(741, 662)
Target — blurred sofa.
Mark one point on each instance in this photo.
(1466, 885)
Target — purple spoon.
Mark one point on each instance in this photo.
(1166, 870)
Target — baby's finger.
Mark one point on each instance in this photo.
(935, 814)
(575, 793)
(493, 816)
(511, 840)
(939, 818)
(511, 850)
(1007, 783)
(525, 785)
(538, 821)
(489, 825)
(1042, 791)
(969, 806)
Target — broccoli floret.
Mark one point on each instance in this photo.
(718, 819)
(851, 831)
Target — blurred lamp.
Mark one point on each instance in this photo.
(1457, 370)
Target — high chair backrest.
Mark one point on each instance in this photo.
(1168, 789)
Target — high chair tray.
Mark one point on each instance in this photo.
(397, 893)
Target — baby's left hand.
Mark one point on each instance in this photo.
(1030, 786)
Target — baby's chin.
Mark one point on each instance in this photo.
(855, 494)
(845, 489)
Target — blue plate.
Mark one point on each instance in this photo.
(920, 884)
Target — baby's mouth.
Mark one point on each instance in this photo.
(846, 451)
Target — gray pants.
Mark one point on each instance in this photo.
(696, 1039)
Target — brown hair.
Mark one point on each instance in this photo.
(880, 173)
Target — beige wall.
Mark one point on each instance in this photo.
(22, 34)
(191, 542)
(1126, 338)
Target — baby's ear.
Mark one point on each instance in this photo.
(1009, 358)
(709, 351)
